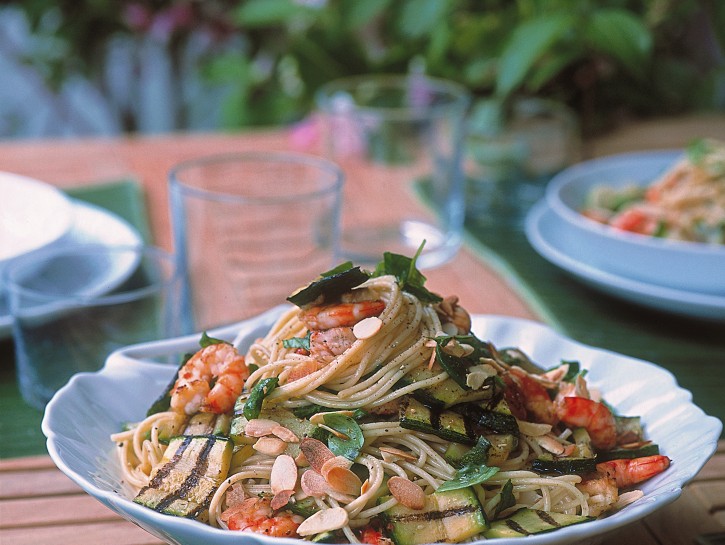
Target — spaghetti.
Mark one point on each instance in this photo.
(382, 422)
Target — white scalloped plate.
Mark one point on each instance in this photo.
(82, 415)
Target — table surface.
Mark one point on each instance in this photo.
(38, 504)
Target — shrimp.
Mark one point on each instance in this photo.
(193, 390)
(340, 314)
(256, 515)
(327, 344)
(602, 494)
(527, 398)
(595, 417)
(632, 471)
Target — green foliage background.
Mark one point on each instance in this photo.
(608, 59)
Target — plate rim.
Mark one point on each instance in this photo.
(77, 225)
(711, 430)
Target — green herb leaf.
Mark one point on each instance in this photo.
(331, 284)
(298, 342)
(206, 340)
(350, 445)
(468, 476)
(409, 277)
(456, 366)
(507, 498)
(262, 389)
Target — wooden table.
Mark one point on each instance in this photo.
(38, 504)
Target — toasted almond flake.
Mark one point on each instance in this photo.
(271, 446)
(365, 486)
(547, 442)
(324, 521)
(316, 453)
(343, 480)
(533, 429)
(407, 492)
(449, 328)
(334, 432)
(397, 454)
(281, 499)
(628, 497)
(367, 327)
(259, 427)
(319, 418)
(314, 484)
(284, 474)
(301, 460)
(285, 434)
(336, 461)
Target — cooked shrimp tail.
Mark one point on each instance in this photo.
(636, 470)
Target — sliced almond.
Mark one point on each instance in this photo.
(316, 452)
(271, 446)
(407, 492)
(284, 474)
(324, 521)
(547, 442)
(281, 499)
(391, 454)
(335, 461)
(285, 434)
(365, 486)
(314, 484)
(319, 418)
(367, 327)
(301, 460)
(259, 427)
(533, 429)
(343, 480)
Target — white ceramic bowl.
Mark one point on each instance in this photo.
(681, 265)
(33, 214)
(82, 415)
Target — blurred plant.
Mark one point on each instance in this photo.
(607, 59)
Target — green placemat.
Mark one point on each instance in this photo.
(20, 423)
(692, 349)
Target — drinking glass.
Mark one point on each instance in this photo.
(398, 139)
(73, 305)
(250, 228)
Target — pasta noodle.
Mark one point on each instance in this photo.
(334, 409)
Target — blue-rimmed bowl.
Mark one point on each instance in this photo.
(682, 265)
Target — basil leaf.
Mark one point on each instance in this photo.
(457, 366)
(262, 389)
(330, 285)
(409, 277)
(350, 446)
(507, 498)
(342, 267)
(468, 476)
(298, 342)
(206, 340)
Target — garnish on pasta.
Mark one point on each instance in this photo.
(371, 413)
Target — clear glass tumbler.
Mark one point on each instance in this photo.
(250, 228)
(399, 142)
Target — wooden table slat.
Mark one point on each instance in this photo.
(36, 483)
(104, 533)
(35, 512)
